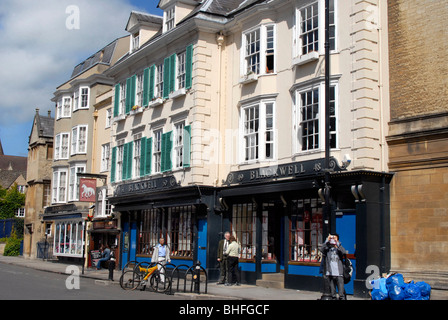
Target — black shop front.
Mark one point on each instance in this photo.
(279, 217)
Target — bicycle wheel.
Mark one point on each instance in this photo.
(156, 283)
(129, 280)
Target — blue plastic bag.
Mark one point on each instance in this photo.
(379, 284)
(395, 287)
(425, 290)
(412, 292)
(395, 280)
(378, 294)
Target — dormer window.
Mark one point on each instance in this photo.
(168, 19)
(135, 41)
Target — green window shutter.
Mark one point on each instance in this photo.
(124, 162)
(166, 78)
(129, 161)
(133, 89)
(113, 164)
(152, 80)
(117, 100)
(173, 72)
(187, 147)
(167, 146)
(142, 156)
(188, 66)
(128, 95)
(148, 157)
(146, 87)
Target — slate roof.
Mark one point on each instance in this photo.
(102, 56)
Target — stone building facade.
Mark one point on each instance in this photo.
(417, 139)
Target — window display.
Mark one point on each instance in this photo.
(305, 230)
(68, 238)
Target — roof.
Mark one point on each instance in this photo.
(102, 56)
(45, 125)
(11, 167)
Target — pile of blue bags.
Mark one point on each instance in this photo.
(394, 288)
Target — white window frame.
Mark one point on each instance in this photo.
(169, 18)
(76, 140)
(180, 70)
(260, 134)
(320, 116)
(135, 41)
(59, 191)
(178, 144)
(73, 192)
(298, 56)
(66, 106)
(139, 90)
(109, 114)
(262, 51)
(120, 155)
(137, 145)
(158, 90)
(157, 150)
(59, 147)
(122, 105)
(105, 157)
(84, 98)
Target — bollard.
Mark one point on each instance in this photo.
(197, 277)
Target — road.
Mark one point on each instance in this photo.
(21, 283)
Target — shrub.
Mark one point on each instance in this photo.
(12, 247)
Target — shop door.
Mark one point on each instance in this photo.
(128, 242)
(346, 228)
(272, 237)
(202, 242)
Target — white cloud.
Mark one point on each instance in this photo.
(39, 52)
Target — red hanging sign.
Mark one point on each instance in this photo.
(87, 190)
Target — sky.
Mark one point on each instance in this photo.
(40, 44)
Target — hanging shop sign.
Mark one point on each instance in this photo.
(87, 190)
(276, 172)
(158, 184)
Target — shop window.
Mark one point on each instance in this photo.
(305, 232)
(68, 240)
(175, 224)
(150, 231)
(244, 228)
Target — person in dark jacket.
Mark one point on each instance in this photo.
(332, 267)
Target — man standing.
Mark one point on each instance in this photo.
(222, 257)
(333, 253)
(161, 255)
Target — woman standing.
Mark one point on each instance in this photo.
(232, 252)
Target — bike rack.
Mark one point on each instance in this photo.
(195, 271)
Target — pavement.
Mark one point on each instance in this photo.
(214, 291)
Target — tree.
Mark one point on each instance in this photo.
(10, 201)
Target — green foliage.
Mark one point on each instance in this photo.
(12, 247)
(10, 201)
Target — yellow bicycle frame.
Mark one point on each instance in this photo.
(148, 271)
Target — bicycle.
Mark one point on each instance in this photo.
(141, 276)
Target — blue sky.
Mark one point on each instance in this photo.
(39, 52)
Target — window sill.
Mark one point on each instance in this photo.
(248, 78)
(156, 102)
(306, 58)
(120, 117)
(136, 111)
(177, 94)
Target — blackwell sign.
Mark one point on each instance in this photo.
(288, 170)
(150, 185)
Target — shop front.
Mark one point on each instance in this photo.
(278, 215)
(162, 208)
(69, 231)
